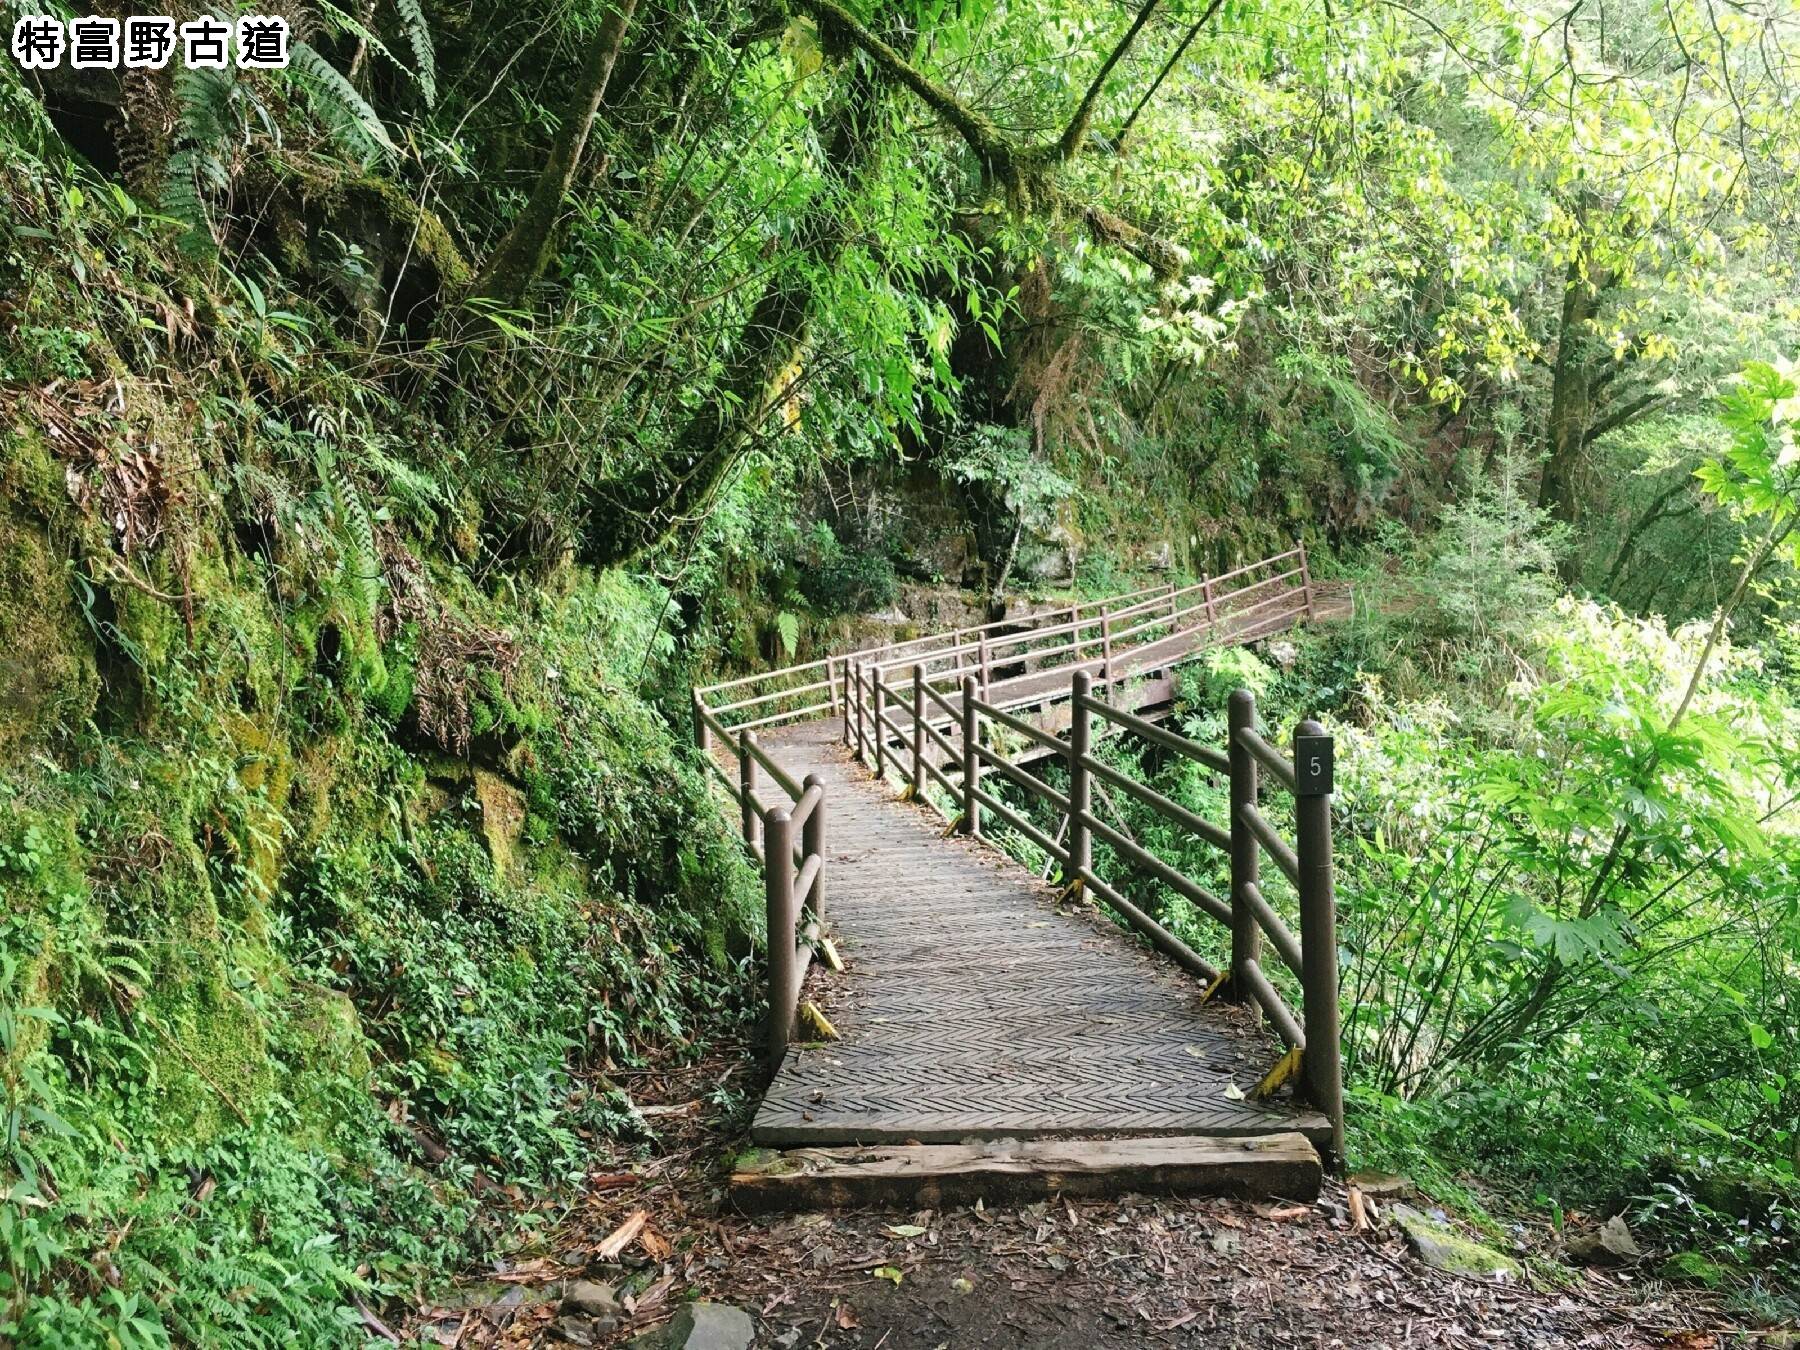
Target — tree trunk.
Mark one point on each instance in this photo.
(1659, 510)
(639, 511)
(1571, 392)
(519, 258)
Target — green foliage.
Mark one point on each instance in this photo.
(836, 580)
(999, 459)
(1760, 473)
(260, 934)
(344, 113)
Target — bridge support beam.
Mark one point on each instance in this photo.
(778, 889)
(877, 706)
(918, 733)
(971, 766)
(862, 747)
(747, 787)
(812, 844)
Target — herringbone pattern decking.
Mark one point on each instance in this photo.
(974, 1006)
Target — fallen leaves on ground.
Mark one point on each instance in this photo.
(1063, 1274)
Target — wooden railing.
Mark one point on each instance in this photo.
(1111, 633)
(944, 742)
(788, 839)
(960, 681)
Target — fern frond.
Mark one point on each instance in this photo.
(418, 37)
(416, 492)
(345, 113)
(203, 124)
(362, 562)
(424, 72)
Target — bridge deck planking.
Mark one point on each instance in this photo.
(975, 1006)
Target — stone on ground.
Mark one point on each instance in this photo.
(1380, 1185)
(1441, 1247)
(702, 1326)
(591, 1298)
(1611, 1244)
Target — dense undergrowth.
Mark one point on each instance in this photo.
(335, 875)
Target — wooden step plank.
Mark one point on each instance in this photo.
(1012, 1170)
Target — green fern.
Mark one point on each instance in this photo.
(419, 494)
(418, 37)
(362, 563)
(205, 119)
(345, 113)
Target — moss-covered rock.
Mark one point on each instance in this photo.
(1697, 1268)
(47, 654)
(502, 816)
(1441, 1247)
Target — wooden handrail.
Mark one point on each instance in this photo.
(1271, 842)
(1006, 641)
(893, 722)
(1181, 745)
(1274, 927)
(1263, 994)
(791, 853)
(1162, 871)
(1043, 791)
(1310, 954)
(1171, 811)
(1268, 756)
(1035, 734)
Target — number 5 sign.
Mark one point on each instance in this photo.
(1312, 766)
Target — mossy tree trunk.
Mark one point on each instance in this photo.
(522, 253)
(1571, 393)
(762, 369)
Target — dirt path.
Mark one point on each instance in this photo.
(1142, 1271)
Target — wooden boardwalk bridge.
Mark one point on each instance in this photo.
(982, 1011)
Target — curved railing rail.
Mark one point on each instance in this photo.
(945, 743)
(1111, 633)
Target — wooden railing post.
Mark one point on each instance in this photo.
(1106, 654)
(878, 728)
(987, 671)
(1246, 932)
(1212, 613)
(1081, 735)
(1321, 1067)
(812, 841)
(778, 888)
(848, 706)
(971, 730)
(702, 732)
(747, 787)
(918, 733)
(862, 717)
(831, 689)
(1075, 631)
(1306, 580)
